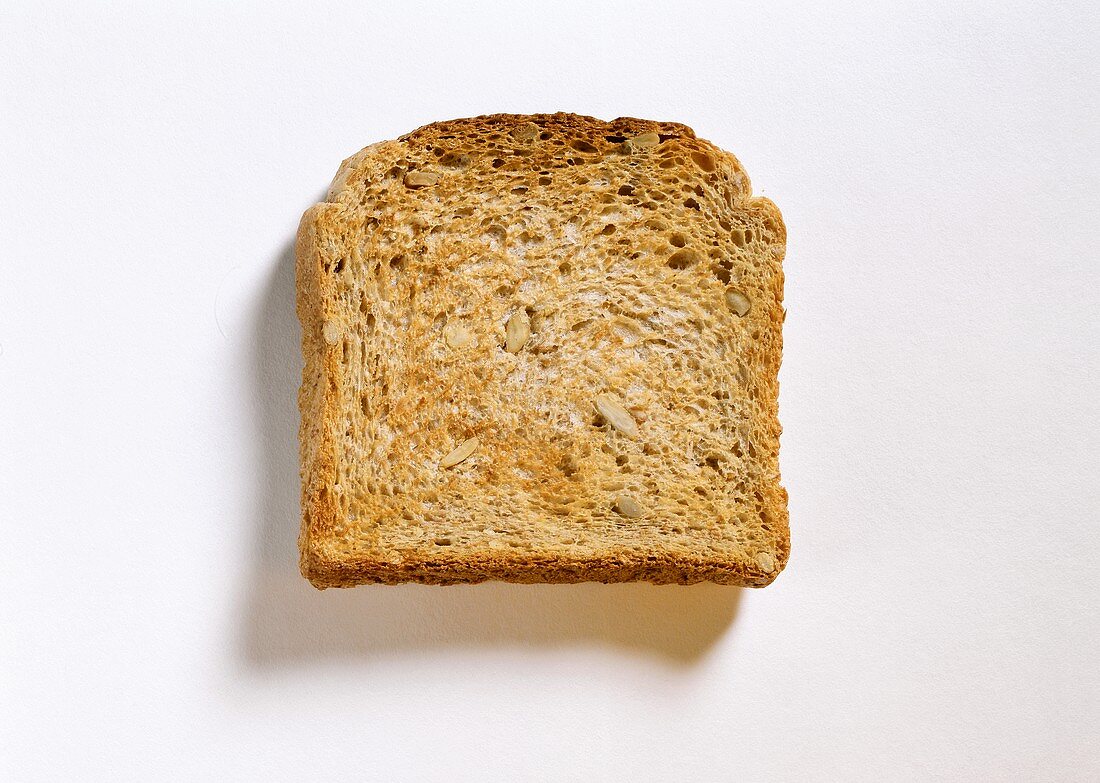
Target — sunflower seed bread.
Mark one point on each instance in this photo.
(541, 348)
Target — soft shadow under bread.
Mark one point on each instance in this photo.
(285, 621)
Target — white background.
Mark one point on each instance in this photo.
(936, 163)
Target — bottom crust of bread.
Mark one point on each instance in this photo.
(531, 568)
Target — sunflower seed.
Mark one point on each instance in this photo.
(463, 451)
(420, 179)
(616, 415)
(517, 331)
(628, 507)
(738, 302)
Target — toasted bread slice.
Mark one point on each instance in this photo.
(541, 349)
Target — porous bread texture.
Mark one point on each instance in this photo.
(541, 348)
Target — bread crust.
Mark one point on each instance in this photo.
(325, 564)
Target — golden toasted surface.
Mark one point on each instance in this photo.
(541, 348)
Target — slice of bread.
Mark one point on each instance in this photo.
(541, 349)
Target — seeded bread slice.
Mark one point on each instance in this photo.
(541, 349)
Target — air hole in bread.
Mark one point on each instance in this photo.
(683, 259)
(494, 234)
(703, 161)
(676, 239)
(583, 146)
(626, 190)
